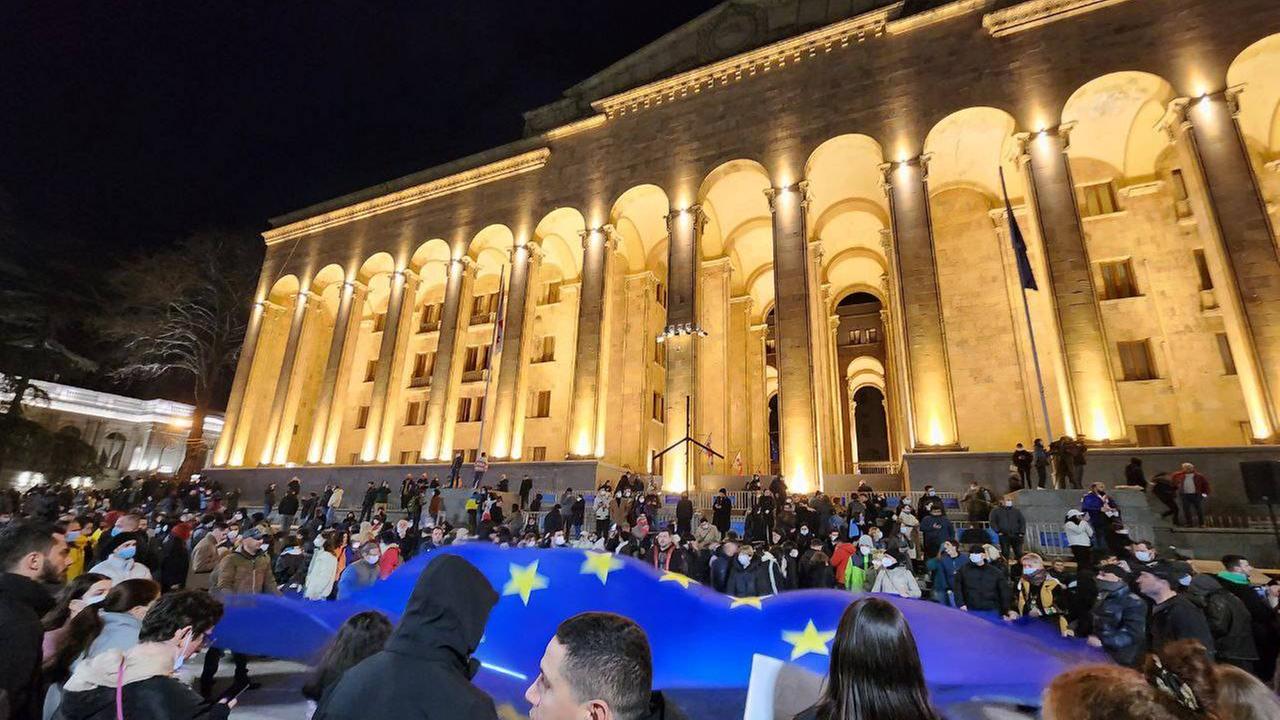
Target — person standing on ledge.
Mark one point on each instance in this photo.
(455, 470)
(1193, 488)
(1022, 461)
(479, 469)
(1041, 460)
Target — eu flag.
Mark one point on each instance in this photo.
(1025, 276)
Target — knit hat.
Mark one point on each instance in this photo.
(1167, 571)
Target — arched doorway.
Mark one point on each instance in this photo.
(870, 424)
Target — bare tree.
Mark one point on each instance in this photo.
(180, 314)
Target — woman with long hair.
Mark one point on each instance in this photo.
(83, 591)
(323, 570)
(362, 635)
(875, 669)
(111, 624)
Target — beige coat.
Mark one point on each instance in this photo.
(204, 560)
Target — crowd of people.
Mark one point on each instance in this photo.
(98, 585)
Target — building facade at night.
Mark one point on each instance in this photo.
(787, 217)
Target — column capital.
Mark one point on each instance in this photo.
(645, 277)
(816, 252)
(695, 211)
(886, 242)
(533, 252)
(355, 285)
(801, 187)
(720, 265)
(268, 306)
(607, 232)
(469, 266)
(1175, 121)
(742, 300)
(887, 168)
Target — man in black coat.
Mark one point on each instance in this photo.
(1119, 618)
(1228, 621)
(32, 554)
(721, 509)
(722, 565)
(526, 487)
(425, 670)
(1174, 616)
(1266, 628)
(684, 517)
(366, 505)
(981, 586)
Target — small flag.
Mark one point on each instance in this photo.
(1025, 276)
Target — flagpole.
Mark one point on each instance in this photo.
(1031, 330)
(493, 345)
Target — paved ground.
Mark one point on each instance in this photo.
(279, 698)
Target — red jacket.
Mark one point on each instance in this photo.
(840, 556)
(1202, 482)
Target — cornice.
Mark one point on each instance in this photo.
(764, 59)
(516, 165)
(575, 127)
(936, 15)
(1036, 13)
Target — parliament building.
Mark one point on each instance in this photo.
(780, 229)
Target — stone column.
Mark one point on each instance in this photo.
(1085, 348)
(898, 411)
(852, 410)
(928, 374)
(235, 402)
(245, 423)
(525, 260)
(394, 367)
(713, 366)
(337, 369)
(597, 246)
(758, 458)
(1239, 246)
(819, 359)
(276, 447)
(798, 429)
(737, 383)
(453, 323)
(681, 337)
(403, 283)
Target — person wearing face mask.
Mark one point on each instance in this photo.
(1228, 621)
(243, 572)
(120, 564)
(1119, 617)
(981, 586)
(1040, 595)
(141, 682)
(323, 570)
(895, 578)
(943, 567)
(1010, 526)
(361, 574)
(1079, 537)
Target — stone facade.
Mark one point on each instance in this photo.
(687, 224)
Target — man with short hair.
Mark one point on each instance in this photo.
(1265, 626)
(598, 666)
(1193, 488)
(32, 554)
(206, 556)
(1022, 460)
(1011, 526)
(140, 682)
(1174, 616)
(366, 504)
(665, 556)
(1119, 617)
(247, 570)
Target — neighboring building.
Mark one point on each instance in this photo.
(130, 435)
(790, 212)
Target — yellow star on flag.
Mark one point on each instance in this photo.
(676, 577)
(524, 580)
(808, 641)
(600, 564)
(746, 601)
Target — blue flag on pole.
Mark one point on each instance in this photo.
(1025, 275)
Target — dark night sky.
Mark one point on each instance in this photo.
(125, 125)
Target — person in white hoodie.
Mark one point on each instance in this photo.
(1079, 537)
(120, 565)
(895, 579)
(323, 570)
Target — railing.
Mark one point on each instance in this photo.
(473, 375)
(483, 318)
(429, 326)
(876, 468)
(422, 381)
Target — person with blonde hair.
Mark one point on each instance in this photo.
(1242, 696)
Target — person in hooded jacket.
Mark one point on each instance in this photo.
(425, 670)
(895, 579)
(815, 569)
(770, 578)
(982, 586)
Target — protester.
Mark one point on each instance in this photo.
(140, 682)
(1040, 595)
(1119, 617)
(33, 554)
(875, 671)
(1174, 616)
(942, 569)
(1079, 535)
(78, 594)
(362, 635)
(1010, 526)
(208, 552)
(895, 579)
(1107, 692)
(120, 564)
(426, 667)
(1228, 620)
(1265, 624)
(245, 571)
(599, 666)
(363, 574)
(981, 586)
(1193, 489)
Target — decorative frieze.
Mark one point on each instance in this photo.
(1037, 13)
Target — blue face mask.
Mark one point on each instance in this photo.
(127, 553)
(73, 535)
(115, 531)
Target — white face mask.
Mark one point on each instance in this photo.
(1030, 570)
(557, 540)
(318, 542)
(1008, 503)
(93, 599)
(181, 657)
(1185, 581)
(977, 558)
(743, 560)
(372, 559)
(888, 562)
(865, 550)
(1143, 556)
(795, 553)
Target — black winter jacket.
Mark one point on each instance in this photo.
(156, 697)
(1227, 617)
(1179, 619)
(425, 671)
(1120, 622)
(983, 588)
(22, 602)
